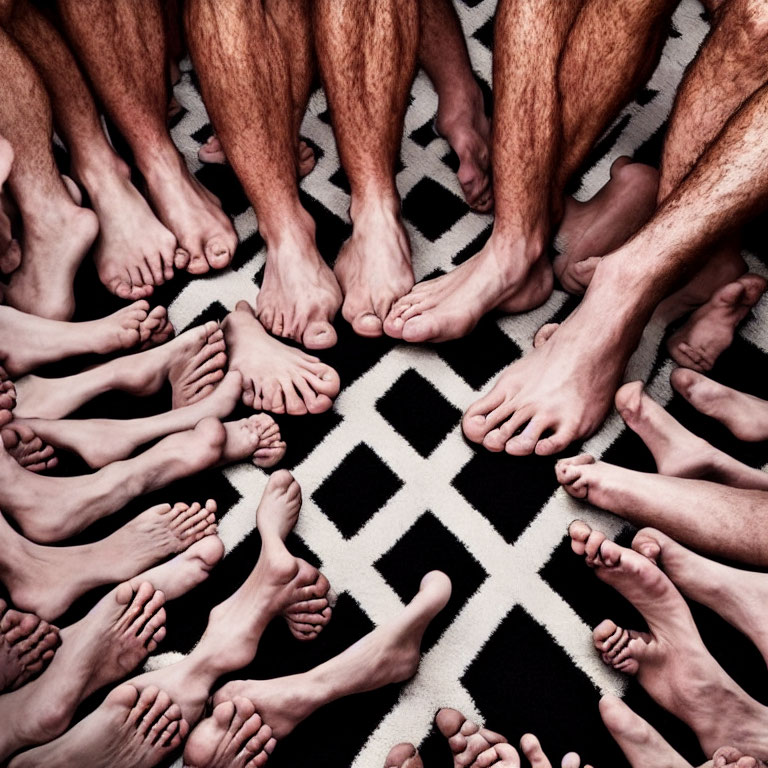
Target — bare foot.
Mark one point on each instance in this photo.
(470, 743)
(563, 387)
(63, 574)
(670, 661)
(276, 377)
(676, 451)
(461, 119)
(134, 252)
(544, 334)
(641, 744)
(31, 341)
(27, 644)
(403, 756)
(299, 295)
(389, 654)
(710, 329)
(7, 397)
(193, 363)
(10, 250)
(256, 438)
(205, 236)
(27, 448)
(53, 248)
(374, 269)
(592, 229)
(111, 640)
(730, 757)
(450, 306)
(213, 152)
(127, 730)
(735, 594)
(745, 415)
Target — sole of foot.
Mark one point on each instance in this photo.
(276, 377)
(592, 229)
(744, 415)
(27, 448)
(27, 644)
(256, 438)
(711, 328)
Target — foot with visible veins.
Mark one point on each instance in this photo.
(205, 236)
(25, 446)
(678, 452)
(711, 328)
(193, 363)
(670, 660)
(63, 574)
(83, 500)
(276, 377)
(389, 654)
(299, 295)
(735, 594)
(593, 229)
(27, 644)
(100, 442)
(744, 415)
(641, 744)
(256, 438)
(279, 584)
(500, 276)
(374, 267)
(213, 152)
(53, 246)
(128, 730)
(37, 341)
(114, 637)
(134, 251)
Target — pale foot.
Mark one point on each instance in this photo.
(389, 654)
(213, 152)
(469, 743)
(7, 397)
(27, 644)
(450, 306)
(256, 438)
(676, 451)
(564, 387)
(27, 448)
(374, 269)
(63, 574)
(43, 284)
(593, 229)
(461, 119)
(276, 377)
(403, 756)
(735, 594)
(730, 757)
(641, 744)
(36, 341)
(584, 478)
(134, 252)
(711, 328)
(205, 236)
(128, 730)
(10, 250)
(111, 640)
(744, 415)
(670, 660)
(299, 295)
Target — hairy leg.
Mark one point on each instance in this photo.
(123, 50)
(366, 53)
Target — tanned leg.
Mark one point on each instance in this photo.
(366, 52)
(567, 384)
(57, 233)
(246, 84)
(134, 251)
(461, 114)
(122, 47)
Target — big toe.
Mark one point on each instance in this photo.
(367, 324)
(217, 253)
(419, 328)
(319, 335)
(403, 756)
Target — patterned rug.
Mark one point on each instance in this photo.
(392, 490)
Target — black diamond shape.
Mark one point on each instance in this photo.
(480, 355)
(359, 486)
(417, 410)
(425, 135)
(473, 247)
(508, 490)
(485, 34)
(339, 179)
(646, 96)
(427, 546)
(432, 208)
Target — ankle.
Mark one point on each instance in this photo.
(383, 204)
(292, 224)
(514, 248)
(99, 172)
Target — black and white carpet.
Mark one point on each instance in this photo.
(392, 490)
